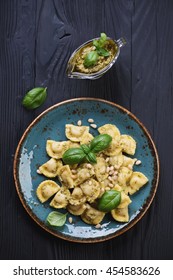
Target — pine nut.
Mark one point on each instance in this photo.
(79, 123)
(98, 226)
(93, 125)
(138, 162)
(90, 120)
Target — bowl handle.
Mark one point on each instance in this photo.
(121, 42)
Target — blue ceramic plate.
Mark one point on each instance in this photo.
(31, 153)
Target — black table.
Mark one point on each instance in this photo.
(36, 40)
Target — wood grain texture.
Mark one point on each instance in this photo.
(36, 40)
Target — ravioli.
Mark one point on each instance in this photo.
(120, 214)
(124, 176)
(137, 181)
(46, 189)
(75, 133)
(86, 138)
(57, 149)
(61, 199)
(128, 144)
(90, 189)
(110, 129)
(92, 216)
(100, 169)
(113, 149)
(128, 162)
(77, 197)
(83, 173)
(76, 210)
(117, 161)
(65, 176)
(50, 168)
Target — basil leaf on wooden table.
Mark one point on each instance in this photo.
(100, 142)
(56, 219)
(73, 155)
(109, 200)
(34, 98)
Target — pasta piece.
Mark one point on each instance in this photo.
(92, 216)
(76, 210)
(65, 176)
(117, 188)
(75, 133)
(77, 197)
(137, 181)
(124, 176)
(128, 162)
(73, 145)
(61, 199)
(86, 138)
(56, 149)
(90, 189)
(120, 214)
(128, 144)
(125, 200)
(100, 169)
(50, 169)
(113, 148)
(83, 174)
(110, 129)
(46, 189)
(117, 160)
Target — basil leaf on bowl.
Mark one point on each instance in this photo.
(100, 142)
(56, 219)
(34, 98)
(109, 200)
(91, 59)
(73, 156)
(103, 52)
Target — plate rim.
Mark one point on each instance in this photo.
(72, 238)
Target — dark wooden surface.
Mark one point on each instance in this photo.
(36, 40)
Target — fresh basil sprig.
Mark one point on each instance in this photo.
(92, 57)
(109, 200)
(34, 98)
(87, 152)
(56, 219)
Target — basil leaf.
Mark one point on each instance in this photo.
(109, 200)
(100, 142)
(34, 98)
(102, 52)
(56, 219)
(91, 157)
(96, 43)
(101, 41)
(73, 155)
(91, 59)
(85, 148)
(103, 38)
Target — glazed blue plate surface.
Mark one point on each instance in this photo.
(31, 153)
